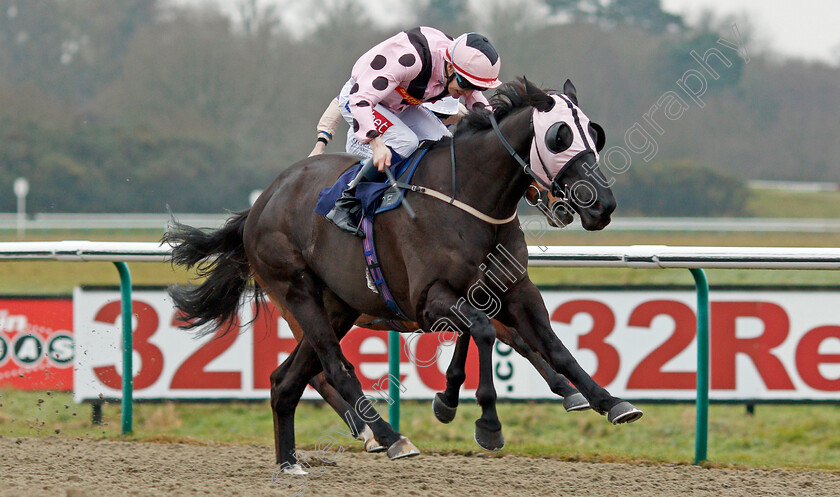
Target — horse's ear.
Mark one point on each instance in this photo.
(570, 91)
(539, 99)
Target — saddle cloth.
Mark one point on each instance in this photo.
(376, 197)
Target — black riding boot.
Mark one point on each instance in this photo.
(347, 206)
(345, 211)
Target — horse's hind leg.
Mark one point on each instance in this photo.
(357, 427)
(445, 404)
(436, 310)
(559, 385)
(287, 384)
(305, 300)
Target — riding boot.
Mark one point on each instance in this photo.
(344, 213)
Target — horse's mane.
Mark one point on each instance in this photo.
(509, 97)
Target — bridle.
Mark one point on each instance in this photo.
(526, 166)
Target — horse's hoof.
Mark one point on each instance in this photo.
(624, 412)
(488, 439)
(371, 444)
(443, 412)
(294, 469)
(575, 402)
(402, 448)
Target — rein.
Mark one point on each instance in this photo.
(451, 200)
(465, 207)
(522, 162)
(455, 203)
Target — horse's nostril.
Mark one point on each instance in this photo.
(603, 208)
(561, 214)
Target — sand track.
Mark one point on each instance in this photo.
(74, 467)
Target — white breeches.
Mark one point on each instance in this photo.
(402, 132)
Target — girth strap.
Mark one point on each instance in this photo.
(375, 270)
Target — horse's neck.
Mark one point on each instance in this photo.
(490, 179)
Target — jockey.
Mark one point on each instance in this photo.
(448, 110)
(381, 101)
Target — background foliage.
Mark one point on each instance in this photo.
(130, 105)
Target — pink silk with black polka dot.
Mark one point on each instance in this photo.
(395, 63)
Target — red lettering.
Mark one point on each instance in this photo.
(268, 345)
(381, 122)
(351, 346)
(431, 375)
(603, 323)
(648, 374)
(808, 359)
(191, 373)
(725, 346)
(151, 358)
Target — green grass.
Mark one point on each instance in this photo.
(56, 277)
(59, 277)
(777, 436)
(774, 203)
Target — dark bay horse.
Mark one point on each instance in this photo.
(558, 213)
(433, 263)
(445, 403)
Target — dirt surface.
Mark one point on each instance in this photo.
(73, 467)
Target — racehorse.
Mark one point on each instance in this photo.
(558, 213)
(433, 263)
(445, 403)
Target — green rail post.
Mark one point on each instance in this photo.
(394, 378)
(127, 350)
(702, 435)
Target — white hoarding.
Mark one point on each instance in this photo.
(638, 344)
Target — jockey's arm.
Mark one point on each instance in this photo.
(326, 127)
(476, 97)
(372, 86)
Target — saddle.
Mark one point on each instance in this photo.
(376, 198)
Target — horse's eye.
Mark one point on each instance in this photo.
(558, 137)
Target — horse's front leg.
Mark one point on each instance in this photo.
(445, 404)
(524, 310)
(559, 385)
(436, 314)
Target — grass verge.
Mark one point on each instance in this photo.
(776, 436)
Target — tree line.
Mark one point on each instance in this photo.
(133, 105)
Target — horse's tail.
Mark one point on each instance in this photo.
(219, 257)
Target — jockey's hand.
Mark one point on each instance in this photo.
(381, 154)
(319, 148)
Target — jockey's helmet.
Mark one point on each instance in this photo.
(474, 59)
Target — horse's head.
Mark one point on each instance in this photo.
(564, 154)
(557, 211)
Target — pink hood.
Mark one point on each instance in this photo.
(547, 164)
